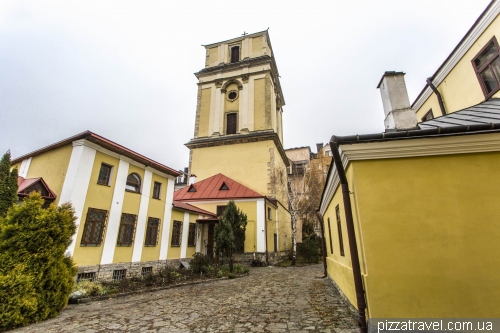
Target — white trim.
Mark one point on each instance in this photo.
(76, 184)
(167, 220)
(331, 184)
(185, 232)
(24, 168)
(261, 226)
(198, 235)
(460, 52)
(115, 213)
(142, 217)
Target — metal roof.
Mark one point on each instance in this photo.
(186, 206)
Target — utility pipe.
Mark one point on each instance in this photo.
(323, 240)
(353, 247)
(265, 230)
(438, 95)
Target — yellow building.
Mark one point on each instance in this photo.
(410, 215)
(238, 129)
(128, 223)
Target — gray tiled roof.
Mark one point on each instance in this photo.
(487, 112)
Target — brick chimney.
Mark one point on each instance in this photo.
(398, 114)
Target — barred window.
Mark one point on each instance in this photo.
(176, 234)
(94, 227)
(147, 270)
(127, 230)
(192, 234)
(85, 276)
(104, 174)
(152, 231)
(119, 274)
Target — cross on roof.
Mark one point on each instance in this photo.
(244, 33)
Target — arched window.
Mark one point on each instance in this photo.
(133, 183)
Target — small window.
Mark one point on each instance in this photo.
(152, 231)
(156, 190)
(119, 274)
(176, 233)
(339, 228)
(192, 234)
(191, 189)
(224, 187)
(85, 276)
(330, 236)
(95, 224)
(231, 123)
(220, 210)
(235, 54)
(127, 230)
(428, 116)
(133, 183)
(146, 271)
(269, 213)
(104, 174)
(487, 67)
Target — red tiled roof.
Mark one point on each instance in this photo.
(186, 206)
(108, 144)
(23, 184)
(210, 189)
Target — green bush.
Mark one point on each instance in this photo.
(90, 288)
(309, 250)
(199, 263)
(33, 241)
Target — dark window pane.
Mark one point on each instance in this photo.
(489, 80)
(133, 183)
(220, 210)
(157, 190)
(235, 54)
(94, 227)
(231, 123)
(339, 229)
(495, 65)
(192, 234)
(487, 54)
(127, 230)
(104, 174)
(152, 231)
(232, 95)
(176, 233)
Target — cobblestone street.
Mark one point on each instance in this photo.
(270, 299)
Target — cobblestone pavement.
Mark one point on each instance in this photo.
(270, 299)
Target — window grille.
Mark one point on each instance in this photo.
(192, 234)
(95, 224)
(119, 274)
(85, 276)
(176, 234)
(152, 231)
(147, 270)
(127, 230)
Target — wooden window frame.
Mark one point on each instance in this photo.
(124, 225)
(192, 234)
(108, 176)
(235, 124)
(92, 224)
(231, 53)
(339, 229)
(156, 190)
(479, 70)
(426, 114)
(218, 210)
(176, 234)
(330, 236)
(129, 183)
(152, 239)
(269, 213)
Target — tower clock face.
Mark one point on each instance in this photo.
(232, 95)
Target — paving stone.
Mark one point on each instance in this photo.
(268, 300)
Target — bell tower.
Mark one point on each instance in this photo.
(239, 127)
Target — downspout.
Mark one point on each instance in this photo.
(323, 240)
(265, 230)
(353, 247)
(438, 95)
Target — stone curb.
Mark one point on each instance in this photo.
(106, 297)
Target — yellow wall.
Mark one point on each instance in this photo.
(256, 46)
(284, 228)
(156, 208)
(461, 89)
(174, 252)
(191, 249)
(204, 112)
(430, 235)
(247, 207)
(259, 105)
(213, 57)
(99, 197)
(52, 166)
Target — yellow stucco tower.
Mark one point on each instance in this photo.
(239, 128)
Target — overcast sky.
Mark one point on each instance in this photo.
(124, 69)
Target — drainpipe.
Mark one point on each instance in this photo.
(265, 230)
(356, 268)
(323, 246)
(438, 95)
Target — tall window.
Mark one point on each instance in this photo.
(269, 214)
(133, 183)
(339, 228)
(231, 123)
(152, 231)
(487, 67)
(192, 234)
(235, 54)
(220, 210)
(176, 233)
(104, 174)
(95, 224)
(330, 236)
(156, 190)
(127, 230)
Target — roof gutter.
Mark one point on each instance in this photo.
(438, 95)
(353, 247)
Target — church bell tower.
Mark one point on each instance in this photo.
(239, 126)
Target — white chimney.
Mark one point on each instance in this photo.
(398, 114)
(192, 179)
